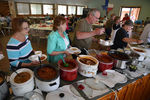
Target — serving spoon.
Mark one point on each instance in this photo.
(14, 70)
(40, 61)
(65, 64)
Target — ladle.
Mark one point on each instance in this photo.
(65, 64)
(40, 61)
(79, 58)
(18, 74)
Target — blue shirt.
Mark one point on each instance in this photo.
(56, 43)
(18, 52)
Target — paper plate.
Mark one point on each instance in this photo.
(138, 50)
(74, 50)
(43, 57)
(105, 43)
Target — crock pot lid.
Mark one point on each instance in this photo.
(33, 95)
(60, 95)
(87, 90)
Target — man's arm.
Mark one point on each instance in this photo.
(84, 35)
(129, 40)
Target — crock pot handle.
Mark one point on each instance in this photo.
(52, 84)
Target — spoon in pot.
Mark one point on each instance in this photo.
(17, 73)
(65, 64)
(14, 70)
(40, 61)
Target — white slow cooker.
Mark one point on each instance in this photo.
(142, 54)
(87, 70)
(47, 85)
(22, 88)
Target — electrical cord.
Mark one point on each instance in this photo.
(116, 97)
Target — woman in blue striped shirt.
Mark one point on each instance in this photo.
(19, 46)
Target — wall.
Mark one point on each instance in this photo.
(4, 8)
(70, 2)
(144, 4)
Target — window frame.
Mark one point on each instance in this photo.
(63, 5)
(77, 9)
(55, 11)
(17, 9)
(48, 4)
(41, 8)
(120, 12)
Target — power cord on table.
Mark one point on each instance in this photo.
(116, 97)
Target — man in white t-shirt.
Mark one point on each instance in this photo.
(145, 36)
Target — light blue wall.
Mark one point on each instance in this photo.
(144, 4)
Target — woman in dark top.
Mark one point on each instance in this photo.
(115, 27)
(108, 26)
(116, 24)
(122, 37)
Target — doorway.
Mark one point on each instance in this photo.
(133, 12)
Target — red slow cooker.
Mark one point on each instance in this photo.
(68, 73)
(105, 62)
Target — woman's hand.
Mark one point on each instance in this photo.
(139, 41)
(67, 53)
(34, 63)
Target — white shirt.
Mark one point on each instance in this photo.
(145, 36)
(66, 42)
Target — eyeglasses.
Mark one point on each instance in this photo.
(26, 28)
(96, 17)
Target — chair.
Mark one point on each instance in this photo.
(34, 36)
(8, 29)
(2, 30)
(43, 35)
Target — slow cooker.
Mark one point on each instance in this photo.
(87, 69)
(47, 85)
(68, 73)
(120, 58)
(105, 62)
(4, 92)
(19, 89)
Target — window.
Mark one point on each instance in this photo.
(133, 12)
(71, 10)
(36, 9)
(23, 9)
(62, 9)
(47, 9)
(79, 10)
